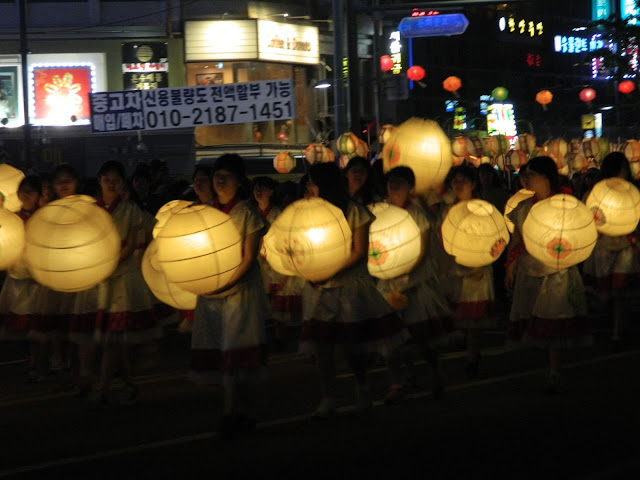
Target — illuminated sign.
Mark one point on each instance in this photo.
(395, 48)
(501, 119)
(521, 26)
(433, 25)
(450, 105)
(628, 9)
(485, 100)
(576, 44)
(600, 9)
(460, 118)
(423, 13)
(285, 42)
(533, 60)
(60, 93)
(144, 65)
(10, 113)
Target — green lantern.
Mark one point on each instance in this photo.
(499, 93)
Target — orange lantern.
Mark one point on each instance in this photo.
(362, 149)
(631, 150)
(284, 162)
(544, 97)
(347, 143)
(557, 148)
(452, 84)
(416, 73)
(626, 86)
(386, 63)
(526, 142)
(318, 153)
(497, 144)
(587, 94)
(384, 132)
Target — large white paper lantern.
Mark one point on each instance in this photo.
(310, 239)
(71, 244)
(513, 202)
(560, 231)
(474, 233)
(615, 204)
(394, 241)
(10, 179)
(11, 238)
(165, 211)
(423, 146)
(199, 249)
(160, 286)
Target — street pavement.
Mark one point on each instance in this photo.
(499, 425)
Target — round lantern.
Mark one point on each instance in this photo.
(318, 153)
(10, 179)
(474, 233)
(11, 238)
(526, 142)
(511, 161)
(71, 244)
(165, 211)
(310, 239)
(394, 241)
(499, 93)
(544, 97)
(415, 73)
(631, 150)
(362, 149)
(347, 143)
(343, 160)
(423, 146)
(452, 84)
(615, 204)
(497, 144)
(386, 63)
(384, 132)
(462, 146)
(560, 231)
(604, 147)
(199, 249)
(512, 203)
(587, 94)
(163, 289)
(284, 162)
(591, 148)
(557, 149)
(626, 86)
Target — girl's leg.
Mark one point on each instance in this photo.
(396, 391)
(553, 385)
(358, 363)
(433, 359)
(473, 352)
(326, 370)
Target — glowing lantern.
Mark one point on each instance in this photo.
(462, 146)
(347, 143)
(544, 97)
(163, 289)
(513, 202)
(635, 170)
(560, 231)
(511, 161)
(557, 149)
(475, 233)
(415, 73)
(284, 162)
(386, 63)
(164, 212)
(423, 146)
(11, 238)
(10, 179)
(384, 132)
(591, 148)
(362, 149)
(631, 150)
(578, 162)
(615, 204)
(626, 86)
(310, 239)
(343, 160)
(587, 94)
(526, 142)
(604, 147)
(394, 241)
(318, 153)
(71, 244)
(499, 93)
(497, 144)
(199, 249)
(452, 84)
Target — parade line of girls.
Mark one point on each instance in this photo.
(232, 329)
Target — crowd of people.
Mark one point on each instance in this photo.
(436, 304)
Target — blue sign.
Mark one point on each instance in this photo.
(433, 25)
(628, 9)
(600, 9)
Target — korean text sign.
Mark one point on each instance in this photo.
(181, 107)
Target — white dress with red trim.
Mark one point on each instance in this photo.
(549, 307)
(348, 309)
(229, 332)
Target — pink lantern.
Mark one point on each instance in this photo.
(386, 63)
(587, 94)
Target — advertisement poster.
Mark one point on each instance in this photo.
(61, 93)
(144, 65)
(9, 94)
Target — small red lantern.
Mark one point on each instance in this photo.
(544, 97)
(416, 73)
(386, 63)
(587, 94)
(452, 84)
(626, 86)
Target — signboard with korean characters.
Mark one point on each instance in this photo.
(144, 65)
(182, 107)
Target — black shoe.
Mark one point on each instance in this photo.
(473, 365)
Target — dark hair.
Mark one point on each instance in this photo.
(264, 181)
(31, 181)
(232, 163)
(486, 171)
(369, 189)
(112, 166)
(206, 169)
(402, 172)
(613, 164)
(546, 166)
(142, 171)
(470, 173)
(66, 169)
(328, 179)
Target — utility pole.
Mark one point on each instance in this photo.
(25, 84)
(338, 54)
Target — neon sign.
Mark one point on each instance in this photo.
(531, 28)
(395, 48)
(423, 13)
(501, 119)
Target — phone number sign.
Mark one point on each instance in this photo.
(181, 107)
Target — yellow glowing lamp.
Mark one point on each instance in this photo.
(615, 204)
(560, 231)
(10, 179)
(163, 289)
(525, 142)
(199, 249)
(318, 153)
(71, 244)
(165, 211)
(394, 241)
(310, 238)
(423, 146)
(347, 143)
(512, 203)
(474, 233)
(11, 238)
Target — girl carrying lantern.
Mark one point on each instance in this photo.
(229, 335)
(613, 270)
(426, 314)
(549, 306)
(343, 309)
(361, 182)
(129, 317)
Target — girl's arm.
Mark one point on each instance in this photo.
(250, 249)
(359, 249)
(129, 244)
